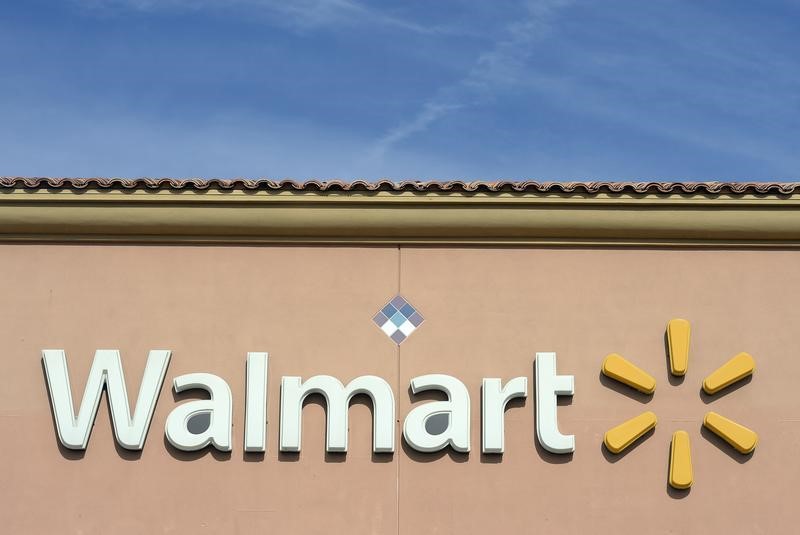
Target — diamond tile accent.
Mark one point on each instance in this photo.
(398, 319)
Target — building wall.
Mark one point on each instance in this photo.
(487, 310)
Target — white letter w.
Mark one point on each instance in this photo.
(130, 432)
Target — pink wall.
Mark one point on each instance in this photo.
(487, 312)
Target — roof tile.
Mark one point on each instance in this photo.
(455, 186)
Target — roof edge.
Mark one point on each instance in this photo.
(627, 214)
(421, 186)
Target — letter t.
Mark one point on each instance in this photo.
(548, 387)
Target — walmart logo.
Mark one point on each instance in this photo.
(625, 434)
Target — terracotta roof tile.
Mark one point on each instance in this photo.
(521, 186)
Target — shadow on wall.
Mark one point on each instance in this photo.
(724, 447)
(709, 398)
(617, 457)
(625, 390)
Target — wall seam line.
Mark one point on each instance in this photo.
(399, 393)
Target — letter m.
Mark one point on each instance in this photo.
(337, 399)
(130, 432)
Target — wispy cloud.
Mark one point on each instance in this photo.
(498, 67)
(430, 113)
(299, 14)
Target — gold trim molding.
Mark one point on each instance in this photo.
(400, 217)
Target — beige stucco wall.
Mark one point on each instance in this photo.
(487, 310)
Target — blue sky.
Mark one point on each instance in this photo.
(449, 89)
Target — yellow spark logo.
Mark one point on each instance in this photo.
(622, 436)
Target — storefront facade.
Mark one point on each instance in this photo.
(419, 287)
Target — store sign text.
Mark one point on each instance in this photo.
(130, 430)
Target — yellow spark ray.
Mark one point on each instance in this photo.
(678, 331)
(734, 370)
(680, 461)
(737, 435)
(626, 433)
(618, 368)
